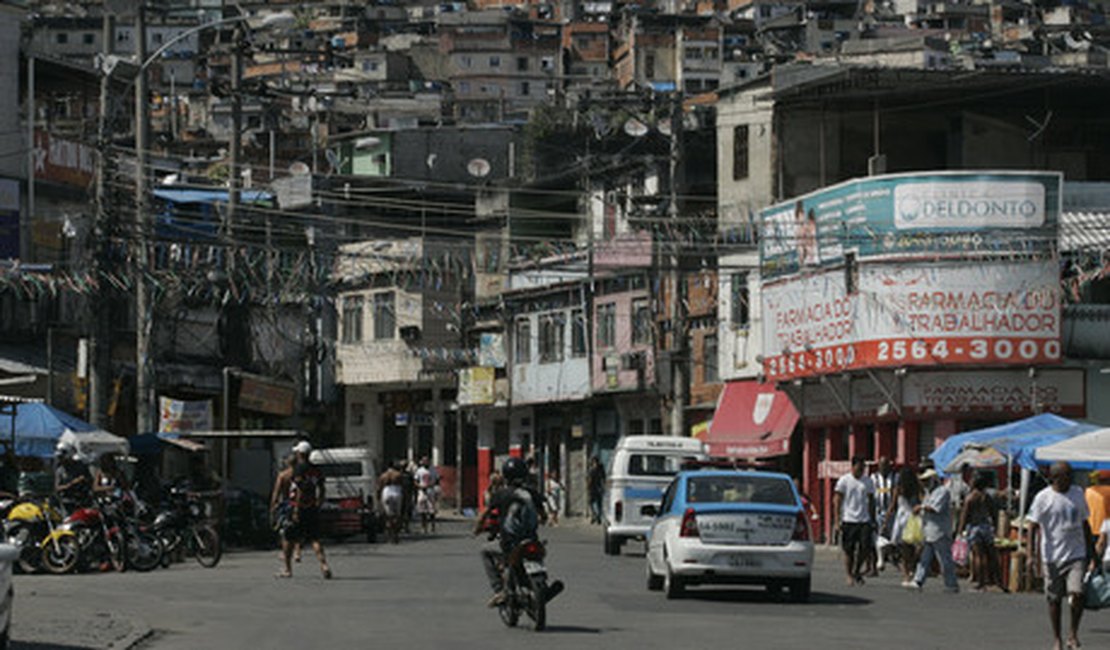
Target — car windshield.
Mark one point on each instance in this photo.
(739, 489)
(653, 465)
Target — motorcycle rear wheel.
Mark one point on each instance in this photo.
(509, 613)
(206, 546)
(537, 608)
(61, 555)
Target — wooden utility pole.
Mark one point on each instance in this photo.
(144, 387)
(99, 303)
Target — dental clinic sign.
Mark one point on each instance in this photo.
(969, 204)
(937, 215)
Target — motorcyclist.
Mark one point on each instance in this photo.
(72, 480)
(517, 490)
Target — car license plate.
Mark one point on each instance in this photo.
(745, 561)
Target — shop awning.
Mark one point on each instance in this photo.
(753, 420)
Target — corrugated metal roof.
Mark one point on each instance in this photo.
(1085, 231)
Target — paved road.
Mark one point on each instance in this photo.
(432, 591)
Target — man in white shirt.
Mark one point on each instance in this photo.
(854, 504)
(936, 525)
(1060, 512)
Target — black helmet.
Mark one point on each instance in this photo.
(514, 469)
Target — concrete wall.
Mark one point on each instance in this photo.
(739, 200)
(739, 346)
(609, 375)
(535, 382)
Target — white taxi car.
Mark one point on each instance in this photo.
(730, 527)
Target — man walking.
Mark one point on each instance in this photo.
(1060, 513)
(884, 491)
(306, 492)
(595, 487)
(854, 504)
(936, 524)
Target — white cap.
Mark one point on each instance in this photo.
(302, 447)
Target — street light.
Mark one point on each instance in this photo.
(144, 398)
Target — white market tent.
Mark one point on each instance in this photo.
(1088, 451)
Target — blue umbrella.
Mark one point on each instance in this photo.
(38, 427)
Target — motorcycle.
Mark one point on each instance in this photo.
(30, 527)
(105, 534)
(526, 587)
(182, 527)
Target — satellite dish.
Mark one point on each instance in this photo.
(370, 142)
(664, 126)
(431, 161)
(121, 7)
(478, 168)
(299, 169)
(635, 128)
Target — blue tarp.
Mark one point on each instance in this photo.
(1015, 439)
(38, 427)
(181, 195)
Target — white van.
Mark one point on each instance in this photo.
(351, 483)
(640, 469)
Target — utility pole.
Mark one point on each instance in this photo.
(144, 402)
(99, 307)
(678, 352)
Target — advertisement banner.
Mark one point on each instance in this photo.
(992, 313)
(177, 415)
(902, 216)
(476, 386)
(491, 350)
(64, 161)
(267, 396)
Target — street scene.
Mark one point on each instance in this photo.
(431, 590)
(533, 321)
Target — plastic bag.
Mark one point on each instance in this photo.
(960, 550)
(1096, 590)
(914, 532)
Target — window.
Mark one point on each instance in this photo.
(352, 319)
(466, 61)
(635, 427)
(522, 64)
(653, 465)
(525, 88)
(495, 62)
(61, 38)
(740, 489)
(385, 316)
(709, 374)
(649, 66)
(552, 337)
(607, 325)
(547, 64)
(740, 152)
(741, 300)
(523, 341)
(641, 321)
(157, 38)
(578, 333)
(88, 39)
(693, 54)
(711, 53)
(464, 87)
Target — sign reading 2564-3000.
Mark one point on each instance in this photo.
(934, 215)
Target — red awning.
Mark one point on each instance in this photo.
(753, 420)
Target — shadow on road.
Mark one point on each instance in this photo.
(762, 597)
(571, 629)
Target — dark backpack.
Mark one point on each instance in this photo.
(520, 520)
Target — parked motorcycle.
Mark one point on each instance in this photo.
(526, 587)
(29, 527)
(182, 527)
(109, 533)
